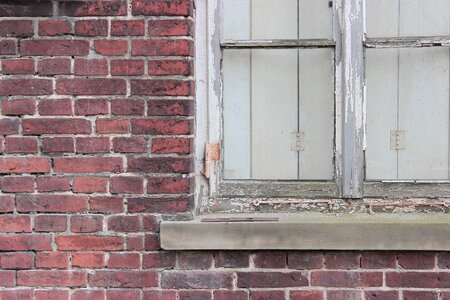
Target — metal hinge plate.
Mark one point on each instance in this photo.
(212, 154)
(298, 141)
(398, 139)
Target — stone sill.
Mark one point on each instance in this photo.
(312, 232)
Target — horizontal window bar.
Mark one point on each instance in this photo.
(418, 189)
(262, 44)
(408, 42)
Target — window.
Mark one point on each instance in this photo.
(319, 98)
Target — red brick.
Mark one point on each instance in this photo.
(88, 260)
(385, 295)
(420, 295)
(170, 67)
(50, 260)
(7, 278)
(56, 66)
(86, 224)
(444, 260)
(26, 9)
(16, 261)
(231, 259)
(16, 184)
(14, 223)
(168, 185)
(135, 243)
(56, 278)
(9, 87)
(123, 294)
(416, 260)
(159, 205)
(159, 260)
(89, 242)
(445, 295)
(57, 107)
(127, 27)
(93, 145)
(8, 47)
(106, 204)
(88, 295)
(159, 295)
(88, 164)
(418, 279)
(129, 145)
(111, 47)
(271, 279)
(344, 294)
(91, 28)
(18, 107)
(159, 165)
(161, 47)
(162, 8)
(196, 280)
(342, 260)
(91, 67)
(151, 242)
(170, 108)
(6, 203)
(127, 185)
(52, 184)
(52, 294)
(26, 242)
(123, 261)
(51, 203)
(54, 27)
(197, 295)
(170, 28)
(18, 66)
(272, 259)
(90, 185)
(50, 223)
(88, 107)
(54, 47)
(58, 145)
(24, 165)
(306, 295)
(124, 223)
(16, 28)
(128, 67)
(171, 145)
(93, 8)
(17, 145)
(127, 107)
(151, 223)
(56, 126)
(91, 86)
(235, 295)
(9, 126)
(14, 294)
(191, 260)
(123, 279)
(267, 295)
(378, 260)
(161, 126)
(108, 125)
(346, 279)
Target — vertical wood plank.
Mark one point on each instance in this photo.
(315, 19)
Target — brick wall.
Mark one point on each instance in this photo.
(96, 143)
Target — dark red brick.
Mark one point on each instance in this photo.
(18, 66)
(91, 27)
(89, 107)
(418, 279)
(196, 280)
(272, 259)
(126, 185)
(170, 67)
(90, 260)
(111, 47)
(306, 295)
(159, 205)
(53, 278)
(106, 204)
(18, 107)
(86, 224)
(51, 203)
(384, 295)
(416, 260)
(161, 126)
(52, 260)
(123, 261)
(58, 145)
(89, 242)
(342, 260)
(11, 87)
(12, 8)
(124, 224)
(346, 279)
(93, 8)
(91, 86)
(124, 279)
(235, 295)
(26, 242)
(420, 295)
(54, 47)
(16, 28)
(24, 165)
(124, 294)
(159, 260)
(267, 295)
(170, 28)
(52, 184)
(271, 279)
(127, 107)
(168, 185)
(21, 145)
(17, 184)
(112, 125)
(54, 27)
(170, 107)
(89, 145)
(6, 203)
(161, 47)
(129, 145)
(127, 27)
(159, 165)
(15, 223)
(54, 66)
(91, 67)
(55, 107)
(89, 164)
(127, 67)
(90, 184)
(231, 259)
(162, 8)
(378, 260)
(193, 260)
(344, 294)
(50, 223)
(56, 126)
(8, 47)
(16, 261)
(171, 145)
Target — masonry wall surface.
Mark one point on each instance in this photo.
(96, 134)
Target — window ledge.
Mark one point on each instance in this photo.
(312, 232)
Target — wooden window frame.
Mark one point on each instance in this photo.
(349, 42)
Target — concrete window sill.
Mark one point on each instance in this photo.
(312, 232)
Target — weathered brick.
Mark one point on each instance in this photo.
(271, 279)
(378, 260)
(346, 279)
(14, 223)
(112, 125)
(124, 279)
(159, 164)
(88, 260)
(416, 260)
(52, 260)
(13, 294)
(106, 204)
(54, 27)
(26, 242)
(12, 8)
(93, 8)
(112, 294)
(159, 295)
(161, 47)
(91, 67)
(268, 295)
(306, 295)
(272, 259)
(127, 27)
(89, 242)
(21, 145)
(192, 294)
(225, 295)
(170, 107)
(161, 126)
(170, 67)
(24, 165)
(128, 67)
(192, 260)
(17, 184)
(159, 205)
(124, 223)
(90, 184)
(91, 27)
(56, 126)
(88, 145)
(162, 8)
(6, 203)
(8, 47)
(129, 145)
(168, 185)
(16, 28)
(86, 224)
(91, 86)
(54, 47)
(88, 294)
(9, 126)
(135, 243)
(418, 279)
(385, 295)
(88, 164)
(10, 87)
(420, 295)
(88, 107)
(55, 107)
(159, 260)
(18, 66)
(54, 66)
(56, 278)
(151, 223)
(344, 294)
(58, 145)
(51, 203)
(123, 261)
(196, 280)
(342, 260)
(7, 278)
(16, 261)
(18, 107)
(231, 259)
(50, 223)
(127, 185)
(52, 294)
(151, 242)
(183, 27)
(111, 47)
(52, 184)
(171, 145)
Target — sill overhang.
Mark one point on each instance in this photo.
(311, 232)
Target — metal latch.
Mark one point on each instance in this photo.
(398, 139)
(298, 141)
(212, 154)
